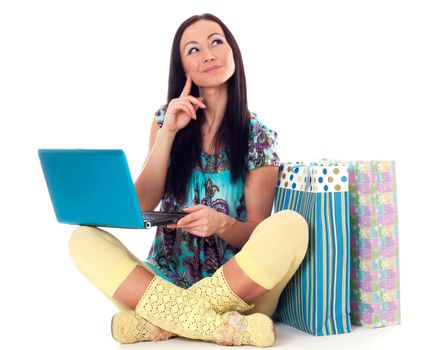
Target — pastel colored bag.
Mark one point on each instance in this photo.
(317, 298)
(375, 274)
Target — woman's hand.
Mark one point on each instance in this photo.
(181, 110)
(201, 221)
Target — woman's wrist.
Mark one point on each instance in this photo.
(164, 131)
(235, 232)
(226, 225)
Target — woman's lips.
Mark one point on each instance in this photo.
(212, 69)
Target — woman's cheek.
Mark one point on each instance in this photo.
(197, 81)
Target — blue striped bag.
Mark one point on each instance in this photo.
(317, 298)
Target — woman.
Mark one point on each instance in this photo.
(218, 273)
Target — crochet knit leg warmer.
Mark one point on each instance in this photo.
(128, 327)
(180, 311)
(217, 291)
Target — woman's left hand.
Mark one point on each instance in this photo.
(201, 221)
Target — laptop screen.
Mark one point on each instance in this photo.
(91, 187)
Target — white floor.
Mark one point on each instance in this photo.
(89, 333)
(290, 338)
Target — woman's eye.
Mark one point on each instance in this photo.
(218, 40)
(190, 51)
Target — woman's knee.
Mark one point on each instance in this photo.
(82, 240)
(296, 228)
(91, 246)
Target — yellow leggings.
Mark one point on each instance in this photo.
(270, 257)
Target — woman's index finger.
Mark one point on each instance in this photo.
(187, 86)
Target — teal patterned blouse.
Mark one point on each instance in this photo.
(183, 258)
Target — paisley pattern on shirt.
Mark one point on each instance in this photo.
(183, 258)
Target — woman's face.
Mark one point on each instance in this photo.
(202, 47)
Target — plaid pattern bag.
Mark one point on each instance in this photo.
(375, 274)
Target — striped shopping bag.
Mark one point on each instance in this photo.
(317, 298)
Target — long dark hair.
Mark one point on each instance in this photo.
(233, 132)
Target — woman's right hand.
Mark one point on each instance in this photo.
(182, 109)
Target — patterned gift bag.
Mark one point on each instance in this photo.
(317, 298)
(375, 276)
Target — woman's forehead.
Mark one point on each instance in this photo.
(200, 31)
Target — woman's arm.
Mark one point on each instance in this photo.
(259, 197)
(150, 185)
(151, 181)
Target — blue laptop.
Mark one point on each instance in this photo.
(94, 188)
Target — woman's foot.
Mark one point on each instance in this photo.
(128, 327)
(255, 329)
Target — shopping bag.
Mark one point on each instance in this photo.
(375, 268)
(317, 298)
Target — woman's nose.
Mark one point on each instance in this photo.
(209, 57)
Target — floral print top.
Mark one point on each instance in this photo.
(183, 258)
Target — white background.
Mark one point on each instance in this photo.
(335, 79)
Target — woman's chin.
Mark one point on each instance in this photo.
(211, 83)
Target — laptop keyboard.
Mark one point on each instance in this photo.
(155, 218)
(154, 215)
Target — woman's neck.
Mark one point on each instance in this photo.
(215, 98)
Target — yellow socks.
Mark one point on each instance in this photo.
(127, 327)
(256, 329)
(175, 310)
(180, 311)
(214, 289)
(219, 294)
